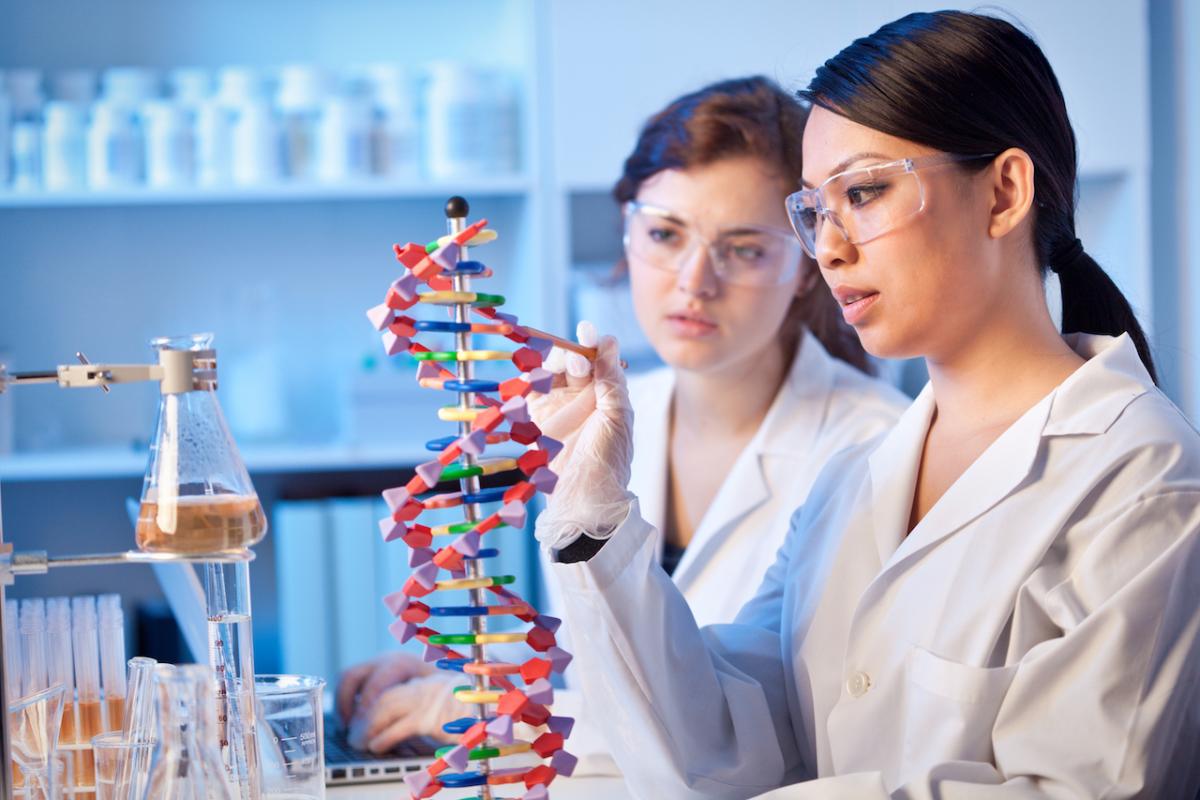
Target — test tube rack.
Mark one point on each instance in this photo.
(176, 371)
(483, 418)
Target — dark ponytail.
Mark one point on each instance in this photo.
(969, 83)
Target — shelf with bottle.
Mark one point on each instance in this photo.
(282, 192)
(299, 131)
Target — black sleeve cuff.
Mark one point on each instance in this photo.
(582, 549)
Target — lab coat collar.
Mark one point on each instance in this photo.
(1087, 402)
(1091, 398)
(801, 405)
(785, 435)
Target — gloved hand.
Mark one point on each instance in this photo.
(395, 696)
(592, 417)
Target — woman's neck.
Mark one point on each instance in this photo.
(996, 376)
(730, 401)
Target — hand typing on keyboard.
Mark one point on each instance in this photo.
(395, 697)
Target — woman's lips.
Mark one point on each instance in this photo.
(690, 326)
(857, 306)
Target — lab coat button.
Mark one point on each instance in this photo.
(858, 684)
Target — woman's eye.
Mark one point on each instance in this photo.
(865, 193)
(663, 235)
(747, 252)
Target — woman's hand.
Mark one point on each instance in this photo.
(361, 685)
(591, 415)
(417, 707)
(394, 697)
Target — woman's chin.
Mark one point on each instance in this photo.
(883, 343)
(694, 356)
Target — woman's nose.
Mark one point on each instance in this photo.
(832, 246)
(697, 272)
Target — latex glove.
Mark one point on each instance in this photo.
(361, 685)
(418, 707)
(588, 410)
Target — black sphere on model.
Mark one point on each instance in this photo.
(457, 207)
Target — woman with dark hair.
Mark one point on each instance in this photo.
(1009, 578)
(764, 381)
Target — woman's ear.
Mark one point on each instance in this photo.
(1012, 190)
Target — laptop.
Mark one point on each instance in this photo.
(345, 765)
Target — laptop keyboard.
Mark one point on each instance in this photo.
(339, 751)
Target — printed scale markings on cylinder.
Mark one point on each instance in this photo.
(483, 419)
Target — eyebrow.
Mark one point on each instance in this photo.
(737, 229)
(664, 213)
(841, 167)
(741, 230)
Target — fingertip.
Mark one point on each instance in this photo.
(585, 333)
(578, 366)
(555, 362)
(608, 354)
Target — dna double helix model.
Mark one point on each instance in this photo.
(488, 412)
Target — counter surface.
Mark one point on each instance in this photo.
(561, 789)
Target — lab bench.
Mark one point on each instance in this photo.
(582, 788)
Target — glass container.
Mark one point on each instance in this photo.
(33, 723)
(291, 735)
(197, 496)
(189, 762)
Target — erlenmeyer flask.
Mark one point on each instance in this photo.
(197, 496)
(189, 761)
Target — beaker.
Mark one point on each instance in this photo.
(189, 764)
(291, 736)
(114, 754)
(33, 724)
(197, 496)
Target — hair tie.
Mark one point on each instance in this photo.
(1065, 258)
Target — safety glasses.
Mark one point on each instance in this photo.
(747, 255)
(865, 203)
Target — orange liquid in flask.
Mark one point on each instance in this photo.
(200, 524)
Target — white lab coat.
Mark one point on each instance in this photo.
(823, 406)
(1034, 636)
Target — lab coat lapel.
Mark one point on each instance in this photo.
(893, 467)
(1000, 469)
(784, 437)
(651, 424)
(1087, 402)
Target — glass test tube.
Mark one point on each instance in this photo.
(139, 724)
(12, 666)
(33, 646)
(112, 658)
(61, 670)
(231, 655)
(87, 683)
(32, 627)
(12, 649)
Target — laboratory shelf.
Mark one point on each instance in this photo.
(118, 462)
(283, 192)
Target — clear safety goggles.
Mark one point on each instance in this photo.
(865, 203)
(747, 255)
